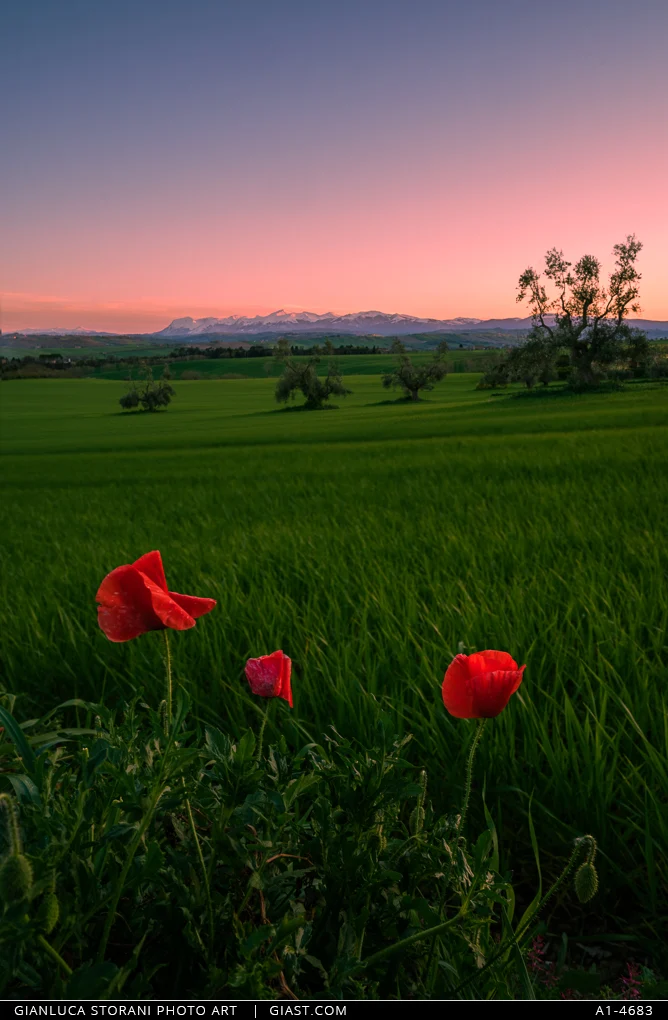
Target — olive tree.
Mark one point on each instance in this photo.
(303, 377)
(413, 378)
(584, 317)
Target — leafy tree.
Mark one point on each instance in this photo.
(304, 377)
(413, 378)
(150, 394)
(531, 362)
(582, 316)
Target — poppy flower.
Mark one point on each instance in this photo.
(479, 686)
(134, 599)
(269, 676)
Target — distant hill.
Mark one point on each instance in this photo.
(311, 327)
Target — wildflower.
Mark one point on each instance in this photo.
(479, 686)
(269, 676)
(133, 599)
(631, 982)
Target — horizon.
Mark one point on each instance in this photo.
(164, 159)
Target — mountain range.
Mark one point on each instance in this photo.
(354, 323)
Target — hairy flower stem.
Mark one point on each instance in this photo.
(205, 874)
(48, 948)
(134, 846)
(261, 734)
(469, 774)
(168, 699)
(405, 943)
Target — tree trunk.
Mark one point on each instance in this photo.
(415, 394)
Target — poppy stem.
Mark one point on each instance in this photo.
(469, 774)
(168, 662)
(261, 734)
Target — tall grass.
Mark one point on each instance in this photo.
(371, 544)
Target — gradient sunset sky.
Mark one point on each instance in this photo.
(161, 158)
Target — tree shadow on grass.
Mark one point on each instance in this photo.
(290, 410)
(560, 392)
(406, 401)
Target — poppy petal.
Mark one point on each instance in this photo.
(456, 689)
(125, 608)
(194, 606)
(497, 660)
(151, 565)
(264, 675)
(166, 609)
(286, 689)
(492, 691)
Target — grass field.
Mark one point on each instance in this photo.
(368, 543)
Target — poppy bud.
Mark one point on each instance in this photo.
(15, 878)
(48, 913)
(586, 882)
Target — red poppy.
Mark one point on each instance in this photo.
(269, 676)
(479, 686)
(134, 599)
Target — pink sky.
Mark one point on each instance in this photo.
(161, 160)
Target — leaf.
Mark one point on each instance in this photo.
(152, 862)
(299, 786)
(121, 831)
(533, 906)
(481, 848)
(657, 990)
(55, 735)
(25, 789)
(90, 981)
(182, 708)
(580, 981)
(494, 859)
(16, 734)
(217, 743)
(245, 748)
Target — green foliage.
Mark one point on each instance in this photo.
(303, 377)
(583, 318)
(188, 868)
(412, 378)
(368, 547)
(150, 394)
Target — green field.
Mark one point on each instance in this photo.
(368, 543)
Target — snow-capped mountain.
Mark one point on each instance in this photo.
(376, 322)
(62, 331)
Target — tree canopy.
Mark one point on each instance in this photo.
(412, 378)
(583, 316)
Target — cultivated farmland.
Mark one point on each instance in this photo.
(371, 543)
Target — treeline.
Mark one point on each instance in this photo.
(50, 365)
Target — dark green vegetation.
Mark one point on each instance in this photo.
(150, 394)
(160, 860)
(413, 378)
(582, 327)
(305, 378)
(369, 544)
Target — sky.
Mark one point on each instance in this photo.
(164, 158)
